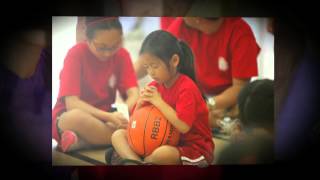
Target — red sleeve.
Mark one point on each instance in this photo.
(244, 52)
(70, 74)
(127, 77)
(175, 26)
(165, 22)
(153, 83)
(186, 107)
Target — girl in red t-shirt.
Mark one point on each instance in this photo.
(174, 92)
(92, 73)
(225, 52)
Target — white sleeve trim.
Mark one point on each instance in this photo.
(184, 158)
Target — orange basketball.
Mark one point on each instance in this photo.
(149, 129)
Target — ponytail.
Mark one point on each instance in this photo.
(186, 65)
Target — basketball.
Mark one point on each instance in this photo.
(149, 129)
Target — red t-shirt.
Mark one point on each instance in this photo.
(231, 52)
(185, 97)
(92, 80)
(165, 22)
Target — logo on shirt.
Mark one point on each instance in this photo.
(222, 64)
(112, 81)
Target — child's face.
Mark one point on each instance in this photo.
(155, 67)
(105, 43)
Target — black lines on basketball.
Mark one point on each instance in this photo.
(144, 131)
(165, 133)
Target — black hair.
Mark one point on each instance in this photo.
(103, 23)
(256, 104)
(164, 45)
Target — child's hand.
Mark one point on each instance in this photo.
(140, 103)
(150, 94)
(119, 120)
(215, 116)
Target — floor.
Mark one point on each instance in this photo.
(96, 156)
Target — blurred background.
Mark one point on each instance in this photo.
(135, 29)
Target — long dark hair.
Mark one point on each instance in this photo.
(100, 23)
(164, 45)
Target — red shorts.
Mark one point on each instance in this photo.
(189, 155)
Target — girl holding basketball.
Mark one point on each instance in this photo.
(174, 92)
(92, 73)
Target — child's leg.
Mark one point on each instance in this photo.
(91, 129)
(120, 143)
(70, 141)
(164, 155)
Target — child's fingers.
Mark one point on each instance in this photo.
(153, 88)
(145, 99)
(124, 120)
(123, 126)
(150, 88)
(147, 94)
(140, 104)
(142, 91)
(119, 118)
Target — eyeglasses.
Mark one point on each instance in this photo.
(104, 48)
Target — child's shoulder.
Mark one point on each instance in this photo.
(187, 84)
(235, 21)
(238, 25)
(177, 26)
(188, 88)
(122, 56)
(123, 52)
(80, 46)
(79, 49)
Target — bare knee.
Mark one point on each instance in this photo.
(72, 118)
(118, 134)
(164, 155)
(160, 153)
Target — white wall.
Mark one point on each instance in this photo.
(63, 38)
(266, 42)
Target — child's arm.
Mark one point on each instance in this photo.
(228, 98)
(140, 102)
(133, 95)
(153, 96)
(172, 117)
(73, 102)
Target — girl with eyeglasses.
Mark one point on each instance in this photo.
(92, 73)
